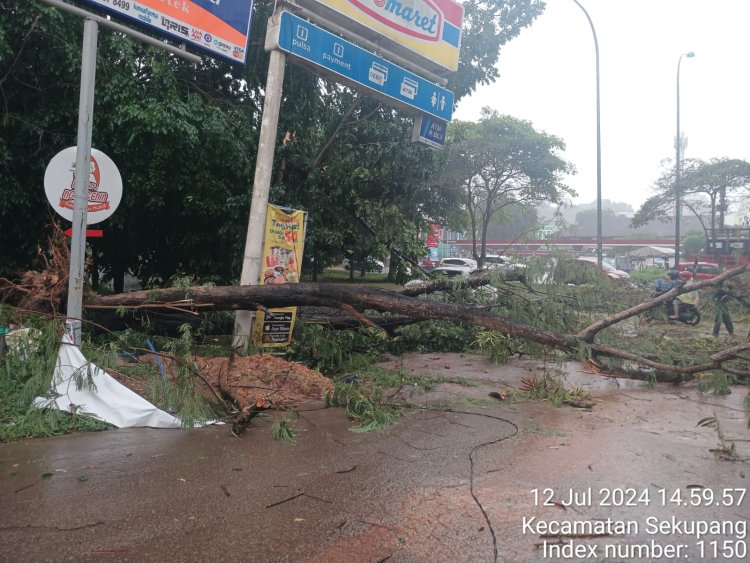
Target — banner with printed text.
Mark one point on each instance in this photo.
(219, 28)
(283, 245)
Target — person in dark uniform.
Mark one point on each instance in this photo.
(721, 299)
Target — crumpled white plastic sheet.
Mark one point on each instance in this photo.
(109, 400)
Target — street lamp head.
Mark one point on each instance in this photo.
(689, 54)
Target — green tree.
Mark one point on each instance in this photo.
(514, 222)
(612, 223)
(709, 190)
(693, 243)
(501, 162)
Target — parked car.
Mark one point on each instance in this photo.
(700, 270)
(492, 261)
(504, 263)
(453, 270)
(608, 269)
(455, 261)
(583, 269)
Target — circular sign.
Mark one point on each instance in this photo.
(104, 185)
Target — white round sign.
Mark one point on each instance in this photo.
(105, 185)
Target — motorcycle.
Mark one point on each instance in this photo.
(687, 312)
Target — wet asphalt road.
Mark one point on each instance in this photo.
(410, 493)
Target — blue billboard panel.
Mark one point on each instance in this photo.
(362, 69)
(219, 27)
(429, 131)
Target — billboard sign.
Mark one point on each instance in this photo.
(361, 69)
(219, 27)
(424, 31)
(105, 185)
(429, 131)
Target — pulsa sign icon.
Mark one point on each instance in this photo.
(417, 18)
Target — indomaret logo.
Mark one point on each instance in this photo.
(416, 18)
(97, 200)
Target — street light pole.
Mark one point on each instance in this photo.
(598, 145)
(677, 165)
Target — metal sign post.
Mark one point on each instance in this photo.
(83, 159)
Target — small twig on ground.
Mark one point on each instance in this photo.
(286, 499)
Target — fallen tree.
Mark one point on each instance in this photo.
(354, 300)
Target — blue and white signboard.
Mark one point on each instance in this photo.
(361, 68)
(429, 131)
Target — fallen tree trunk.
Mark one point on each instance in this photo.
(260, 297)
(355, 299)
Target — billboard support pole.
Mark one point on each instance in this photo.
(261, 187)
(83, 159)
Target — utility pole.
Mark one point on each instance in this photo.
(252, 256)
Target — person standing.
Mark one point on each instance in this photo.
(721, 299)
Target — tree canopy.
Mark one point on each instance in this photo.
(501, 162)
(709, 191)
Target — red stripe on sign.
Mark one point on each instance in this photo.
(453, 12)
(90, 233)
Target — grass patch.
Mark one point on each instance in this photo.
(282, 428)
(482, 403)
(364, 398)
(373, 279)
(535, 428)
(552, 390)
(363, 409)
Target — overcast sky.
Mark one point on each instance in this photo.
(548, 76)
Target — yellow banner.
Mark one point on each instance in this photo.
(283, 245)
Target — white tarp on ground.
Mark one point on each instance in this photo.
(109, 400)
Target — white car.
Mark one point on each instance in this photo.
(503, 263)
(453, 271)
(468, 262)
(493, 261)
(608, 269)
